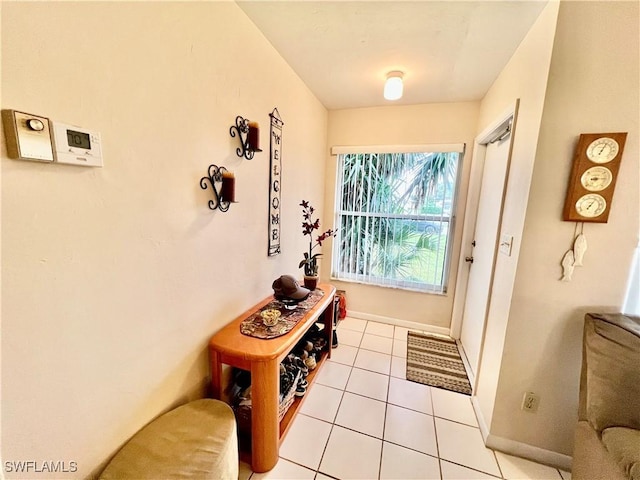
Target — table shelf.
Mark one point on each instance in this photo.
(286, 421)
(262, 358)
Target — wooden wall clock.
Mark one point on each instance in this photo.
(593, 177)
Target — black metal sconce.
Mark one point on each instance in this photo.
(249, 135)
(226, 195)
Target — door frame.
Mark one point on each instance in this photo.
(469, 226)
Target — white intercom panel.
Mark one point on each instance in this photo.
(27, 136)
(76, 145)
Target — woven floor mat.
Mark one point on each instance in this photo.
(435, 361)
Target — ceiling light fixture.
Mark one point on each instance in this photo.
(393, 85)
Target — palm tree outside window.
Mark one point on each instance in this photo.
(395, 218)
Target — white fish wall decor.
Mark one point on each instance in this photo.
(567, 266)
(579, 247)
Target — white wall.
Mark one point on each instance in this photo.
(1, 463)
(401, 125)
(631, 304)
(524, 77)
(543, 340)
(115, 278)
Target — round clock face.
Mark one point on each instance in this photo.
(591, 205)
(596, 179)
(602, 150)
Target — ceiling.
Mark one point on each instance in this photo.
(449, 50)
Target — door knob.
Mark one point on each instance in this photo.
(468, 259)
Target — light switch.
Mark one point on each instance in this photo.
(505, 244)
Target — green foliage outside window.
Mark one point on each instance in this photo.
(394, 218)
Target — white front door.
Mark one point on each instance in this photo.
(482, 260)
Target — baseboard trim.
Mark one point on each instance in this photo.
(484, 429)
(524, 450)
(400, 323)
(519, 449)
(467, 365)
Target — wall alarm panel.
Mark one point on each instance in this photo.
(76, 145)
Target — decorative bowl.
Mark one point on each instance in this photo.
(270, 317)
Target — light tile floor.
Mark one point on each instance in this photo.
(363, 420)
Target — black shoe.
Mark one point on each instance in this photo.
(300, 390)
(286, 383)
(319, 344)
(300, 365)
(334, 342)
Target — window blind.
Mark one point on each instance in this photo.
(394, 215)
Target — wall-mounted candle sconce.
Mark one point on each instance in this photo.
(224, 196)
(249, 135)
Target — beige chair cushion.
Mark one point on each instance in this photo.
(612, 349)
(196, 440)
(591, 460)
(624, 446)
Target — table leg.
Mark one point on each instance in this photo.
(216, 375)
(328, 326)
(265, 426)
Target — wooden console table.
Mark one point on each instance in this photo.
(262, 358)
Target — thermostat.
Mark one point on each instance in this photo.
(28, 136)
(76, 145)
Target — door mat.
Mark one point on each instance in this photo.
(435, 361)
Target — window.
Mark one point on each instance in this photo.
(394, 216)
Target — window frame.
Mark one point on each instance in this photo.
(451, 220)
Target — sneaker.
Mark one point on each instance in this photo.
(319, 344)
(286, 383)
(310, 362)
(291, 359)
(301, 365)
(314, 329)
(300, 390)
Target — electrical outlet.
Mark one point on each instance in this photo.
(530, 402)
